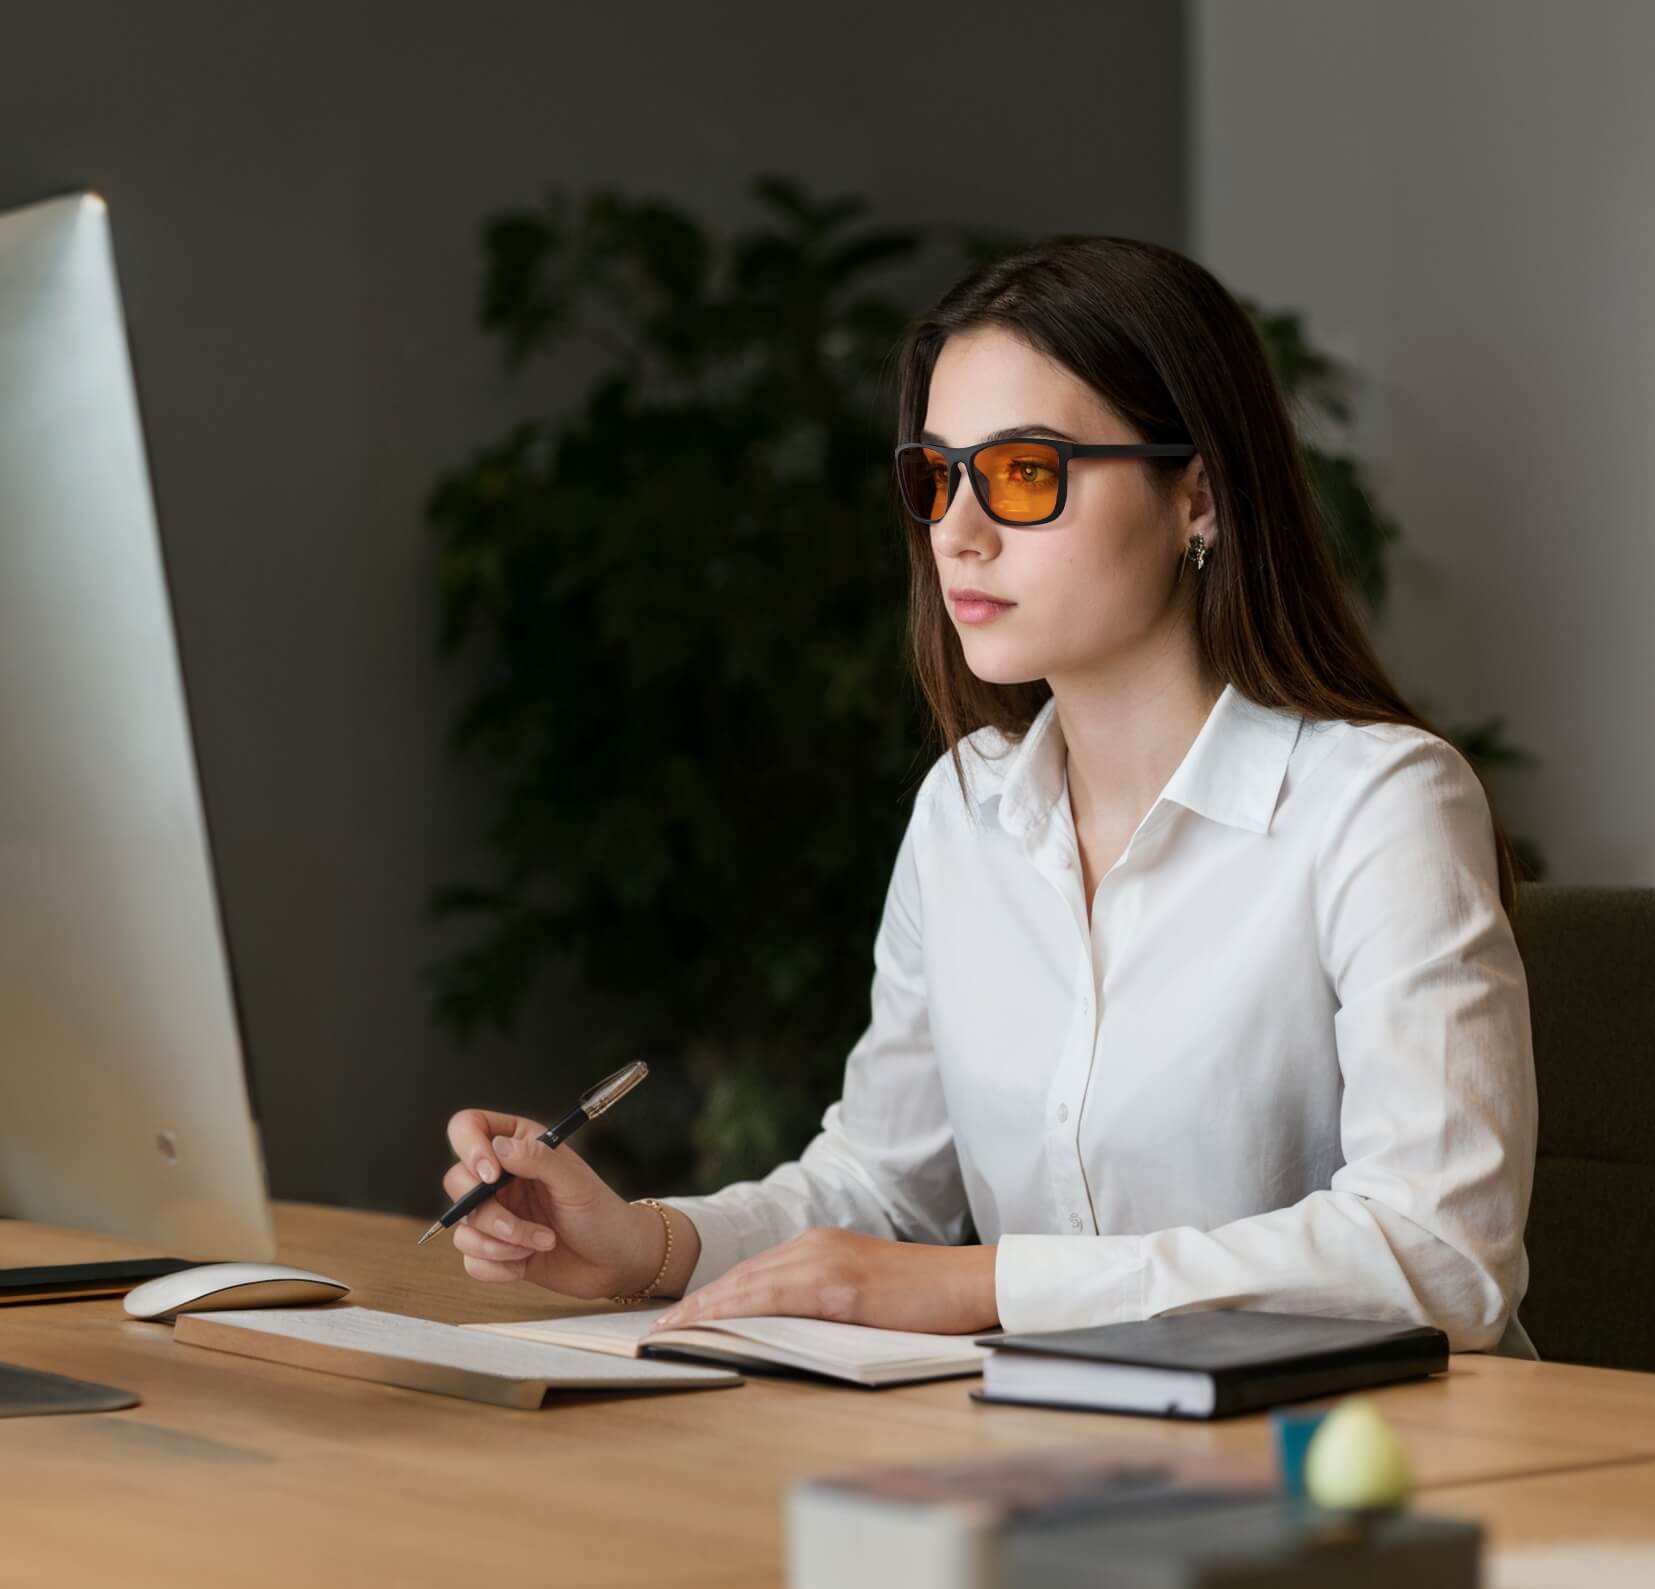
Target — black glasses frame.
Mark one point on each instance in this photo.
(1065, 450)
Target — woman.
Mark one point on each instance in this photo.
(1196, 984)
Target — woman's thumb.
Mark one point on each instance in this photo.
(523, 1155)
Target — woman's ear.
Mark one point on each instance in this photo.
(1197, 514)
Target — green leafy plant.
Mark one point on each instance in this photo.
(684, 603)
(687, 605)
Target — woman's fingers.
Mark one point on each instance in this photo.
(474, 1244)
(492, 1220)
(489, 1269)
(471, 1134)
(559, 1168)
(494, 1217)
(751, 1289)
(820, 1274)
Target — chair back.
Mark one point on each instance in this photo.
(1589, 953)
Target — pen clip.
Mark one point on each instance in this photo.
(596, 1099)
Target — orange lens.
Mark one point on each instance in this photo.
(924, 477)
(1020, 479)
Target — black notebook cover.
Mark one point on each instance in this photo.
(1256, 1359)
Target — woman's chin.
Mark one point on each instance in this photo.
(1002, 669)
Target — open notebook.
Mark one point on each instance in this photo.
(852, 1352)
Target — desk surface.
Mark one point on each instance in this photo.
(261, 1473)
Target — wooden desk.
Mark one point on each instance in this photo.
(235, 1472)
(1589, 1529)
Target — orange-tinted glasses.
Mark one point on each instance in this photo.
(1019, 480)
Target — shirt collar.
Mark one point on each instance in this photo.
(1232, 773)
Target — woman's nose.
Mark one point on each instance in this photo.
(964, 522)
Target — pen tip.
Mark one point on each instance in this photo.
(429, 1234)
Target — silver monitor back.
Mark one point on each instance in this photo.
(123, 1101)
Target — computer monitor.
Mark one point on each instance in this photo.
(124, 1106)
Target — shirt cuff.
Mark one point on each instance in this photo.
(720, 1240)
(1068, 1282)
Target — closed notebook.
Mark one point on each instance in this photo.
(1208, 1364)
(852, 1352)
(419, 1354)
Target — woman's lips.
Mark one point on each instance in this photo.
(979, 609)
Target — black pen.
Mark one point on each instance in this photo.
(592, 1103)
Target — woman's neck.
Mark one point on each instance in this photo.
(1128, 729)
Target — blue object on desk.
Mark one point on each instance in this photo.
(1291, 1432)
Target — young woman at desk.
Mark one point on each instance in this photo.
(1196, 984)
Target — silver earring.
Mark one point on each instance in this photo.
(1198, 545)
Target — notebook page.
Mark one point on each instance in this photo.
(619, 1333)
(451, 1346)
(817, 1340)
(850, 1345)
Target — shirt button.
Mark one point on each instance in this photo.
(1074, 1222)
(1062, 1112)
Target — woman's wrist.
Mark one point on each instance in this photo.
(686, 1252)
(979, 1299)
(652, 1223)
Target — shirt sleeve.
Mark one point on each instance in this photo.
(884, 1160)
(1423, 1222)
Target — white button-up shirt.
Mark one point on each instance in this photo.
(1287, 1065)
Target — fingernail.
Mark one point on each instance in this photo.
(502, 1227)
(485, 1170)
(544, 1240)
(503, 1145)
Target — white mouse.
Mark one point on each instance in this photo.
(230, 1285)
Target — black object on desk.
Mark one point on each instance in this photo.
(1281, 1542)
(62, 1282)
(1207, 1364)
(27, 1392)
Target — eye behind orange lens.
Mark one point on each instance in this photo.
(1020, 479)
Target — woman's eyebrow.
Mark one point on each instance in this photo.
(931, 438)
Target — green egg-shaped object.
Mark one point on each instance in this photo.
(1356, 1460)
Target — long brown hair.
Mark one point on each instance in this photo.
(1176, 357)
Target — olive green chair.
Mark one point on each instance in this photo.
(1590, 958)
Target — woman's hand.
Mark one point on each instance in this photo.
(558, 1223)
(855, 1279)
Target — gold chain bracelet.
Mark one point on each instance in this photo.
(666, 1257)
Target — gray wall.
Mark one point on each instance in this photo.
(1459, 198)
(295, 193)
